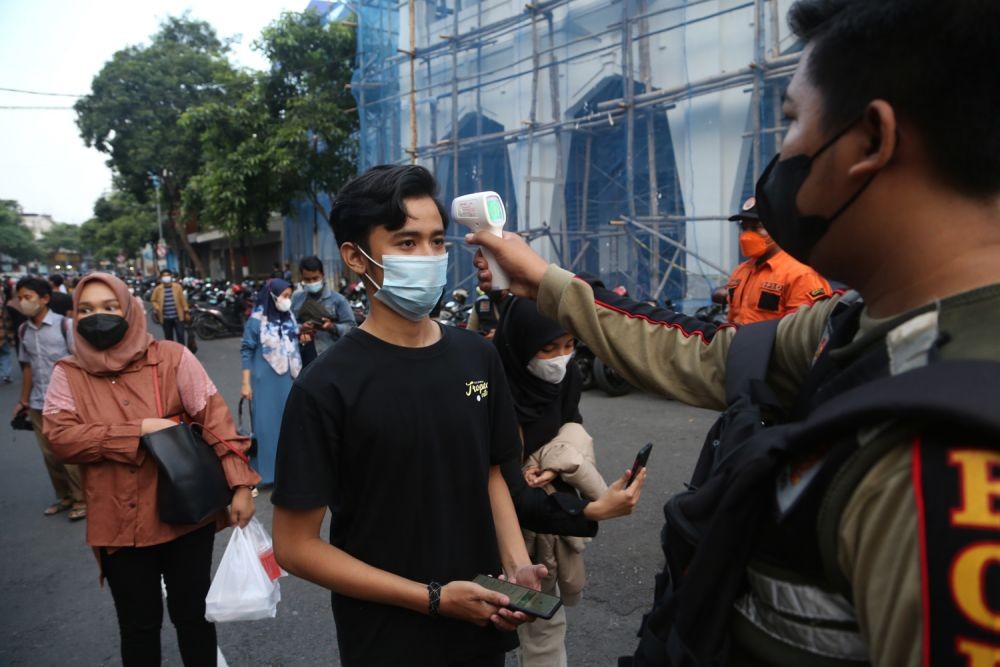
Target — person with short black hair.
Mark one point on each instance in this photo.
(60, 302)
(46, 337)
(400, 429)
(863, 546)
(58, 283)
(328, 315)
(170, 307)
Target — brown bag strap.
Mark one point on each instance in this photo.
(156, 391)
(159, 413)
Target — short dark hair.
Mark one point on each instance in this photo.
(311, 263)
(375, 199)
(56, 279)
(162, 271)
(39, 286)
(934, 62)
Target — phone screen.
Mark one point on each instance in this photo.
(523, 599)
(640, 462)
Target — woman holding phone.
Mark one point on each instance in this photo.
(558, 456)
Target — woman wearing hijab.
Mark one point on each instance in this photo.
(99, 403)
(558, 456)
(271, 360)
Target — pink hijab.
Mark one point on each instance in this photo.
(130, 348)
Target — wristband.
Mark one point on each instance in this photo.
(434, 598)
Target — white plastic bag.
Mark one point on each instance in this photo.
(242, 589)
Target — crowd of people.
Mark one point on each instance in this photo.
(813, 532)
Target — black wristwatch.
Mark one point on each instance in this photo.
(434, 598)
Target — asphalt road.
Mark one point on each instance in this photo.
(53, 612)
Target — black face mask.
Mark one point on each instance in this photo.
(776, 191)
(102, 330)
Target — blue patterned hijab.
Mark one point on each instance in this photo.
(278, 331)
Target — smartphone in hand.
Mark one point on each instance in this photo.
(522, 598)
(640, 462)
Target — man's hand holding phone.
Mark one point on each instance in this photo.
(470, 602)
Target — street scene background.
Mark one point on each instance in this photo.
(54, 611)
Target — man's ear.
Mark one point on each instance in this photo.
(353, 258)
(881, 130)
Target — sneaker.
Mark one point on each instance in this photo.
(6, 379)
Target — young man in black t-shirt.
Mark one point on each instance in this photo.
(400, 430)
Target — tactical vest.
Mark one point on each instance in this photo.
(751, 574)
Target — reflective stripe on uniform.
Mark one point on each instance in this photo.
(804, 616)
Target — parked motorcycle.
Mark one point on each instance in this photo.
(597, 373)
(717, 311)
(456, 311)
(219, 321)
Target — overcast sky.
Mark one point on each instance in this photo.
(58, 46)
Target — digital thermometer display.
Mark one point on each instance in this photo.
(494, 210)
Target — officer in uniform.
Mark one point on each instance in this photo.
(881, 546)
(770, 283)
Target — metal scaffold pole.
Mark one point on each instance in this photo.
(413, 82)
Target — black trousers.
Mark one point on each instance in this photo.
(134, 576)
(173, 329)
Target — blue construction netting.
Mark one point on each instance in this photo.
(620, 135)
(375, 85)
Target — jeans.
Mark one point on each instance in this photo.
(134, 576)
(7, 359)
(171, 327)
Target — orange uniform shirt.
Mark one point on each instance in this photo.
(772, 289)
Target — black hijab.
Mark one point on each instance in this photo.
(542, 407)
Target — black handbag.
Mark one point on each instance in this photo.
(21, 421)
(191, 485)
(243, 430)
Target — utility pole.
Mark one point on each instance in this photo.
(159, 223)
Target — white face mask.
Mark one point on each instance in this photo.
(30, 308)
(550, 370)
(166, 280)
(284, 304)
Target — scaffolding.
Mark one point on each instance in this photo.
(621, 134)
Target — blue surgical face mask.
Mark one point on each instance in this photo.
(313, 288)
(411, 284)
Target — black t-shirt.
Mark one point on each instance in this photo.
(398, 442)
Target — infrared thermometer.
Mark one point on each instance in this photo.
(483, 211)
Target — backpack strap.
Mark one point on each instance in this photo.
(938, 391)
(749, 356)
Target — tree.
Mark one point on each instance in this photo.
(288, 137)
(121, 225)
(18, 241)
(238, 185)
(314, 121)
(136, 101)
(62, 236)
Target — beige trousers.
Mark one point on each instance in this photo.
(65, 477)
(543, 643)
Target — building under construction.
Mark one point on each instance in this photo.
(620, 133)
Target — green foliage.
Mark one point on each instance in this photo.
(138, 97)
(18, 241)
(237, 186)
(121, 225)
(137, 100)
(229, 146)
(62, 236)
(314, 121)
